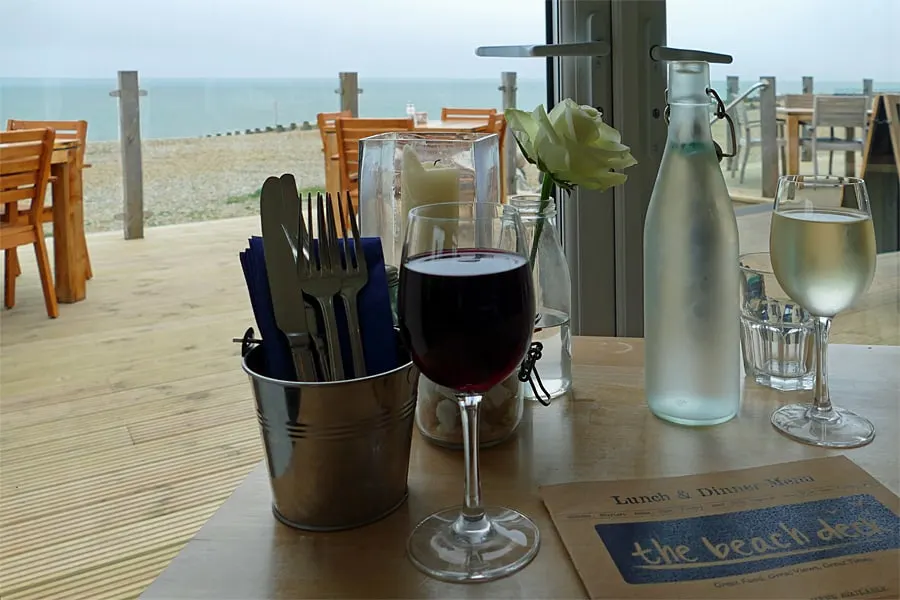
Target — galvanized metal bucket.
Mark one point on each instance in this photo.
(337, 452)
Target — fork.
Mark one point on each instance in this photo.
(320, 277)
(295, 231)
(353, 280)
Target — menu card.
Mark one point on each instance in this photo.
(818, 529)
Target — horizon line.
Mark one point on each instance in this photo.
(877, 83)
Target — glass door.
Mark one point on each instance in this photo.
(601, 56)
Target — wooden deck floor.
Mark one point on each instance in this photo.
(126, 422)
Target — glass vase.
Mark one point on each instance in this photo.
(553, 294)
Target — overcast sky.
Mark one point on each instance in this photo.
(833, 40)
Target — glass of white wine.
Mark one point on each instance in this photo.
(822, 246)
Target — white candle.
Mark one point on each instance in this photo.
(428, 183)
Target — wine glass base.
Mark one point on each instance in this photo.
(508, 541)
(845, 430)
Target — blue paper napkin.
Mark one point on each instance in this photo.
(373, 304)
(275, 348)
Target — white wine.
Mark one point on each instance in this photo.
(823, 258)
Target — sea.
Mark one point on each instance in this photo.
(180, 108)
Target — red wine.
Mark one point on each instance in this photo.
(467, 316)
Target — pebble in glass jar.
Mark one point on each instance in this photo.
(438, 419)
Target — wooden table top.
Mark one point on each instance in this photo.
(453, 125)
(802, 112)
(61, 149)
(604, 432)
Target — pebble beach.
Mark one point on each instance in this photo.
(203, 179)
(199, 179)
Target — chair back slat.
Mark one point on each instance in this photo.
(466, 114)
(840, 111)
(331, 156)
(325, 122)
(65, 131)
(25, 167)
(25, 164)
(10, 196)
(798, 100)
(18, 178)
(350, 131)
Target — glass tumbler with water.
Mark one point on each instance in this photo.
(777, 334)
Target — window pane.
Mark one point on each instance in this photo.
(230, 100)
(809, 47)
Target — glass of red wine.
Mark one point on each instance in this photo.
(466, 308)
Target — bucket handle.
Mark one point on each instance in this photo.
(247, 341)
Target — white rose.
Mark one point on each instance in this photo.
(572, 144)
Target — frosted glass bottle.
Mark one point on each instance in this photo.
(691, 284)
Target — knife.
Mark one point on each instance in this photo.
(287, 297)
(298, 238)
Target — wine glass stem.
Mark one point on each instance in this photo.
(821, 408)
(472, 522)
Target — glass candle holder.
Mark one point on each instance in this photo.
(401, 170)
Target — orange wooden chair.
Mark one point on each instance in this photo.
(467, 114)
(325, 123)
(349, 132)
(65, 130)
(24, 173)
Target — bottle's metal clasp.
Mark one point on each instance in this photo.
(528, 373)
(721, 113)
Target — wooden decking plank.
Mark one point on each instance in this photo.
(71, 557)
(184, 422)
(116, 381)
(88, 584)
(72, 521)
(108, 438)
(30, 505)
(37, 424)
(51, 471)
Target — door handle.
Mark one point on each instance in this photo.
(664, 53)
(597, 48)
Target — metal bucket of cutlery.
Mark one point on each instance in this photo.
(337, 452)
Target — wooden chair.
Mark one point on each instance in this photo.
(497, 124)
(749, 138)
(325, 123)
(806, 130)
(24, 174)
(65, 130)
(838, 111)
(349, 132)
(467, 114)
(798, 100)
